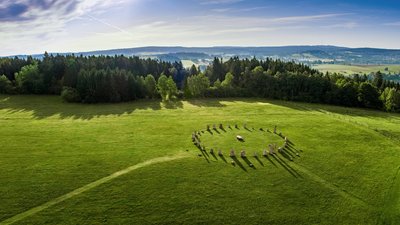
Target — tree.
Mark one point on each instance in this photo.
(198, 84)
(368, 96)
(193, 70)
(228, 81)
(5, 85)
(71, 73)
(172, 89)
(217, 84)
(29, 80)
(166, 87)
(378, 79)
(151, 86)
(70, 94)
(216, 70)
(391, 99)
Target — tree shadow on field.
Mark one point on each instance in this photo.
(325, 108)
(42, 106)
(206, 102)
(173, 104)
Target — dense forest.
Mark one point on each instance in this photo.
(94, 79)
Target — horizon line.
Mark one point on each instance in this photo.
(182, 46)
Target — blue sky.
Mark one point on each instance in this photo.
(35, 26)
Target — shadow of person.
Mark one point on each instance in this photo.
(249, 163)
(223, 158)
(237, 162)
(204, 155)
(259, 161)
(267, 157)
(214, 156)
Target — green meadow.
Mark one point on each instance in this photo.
(135, 163)
(357, 69)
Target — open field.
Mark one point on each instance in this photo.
(359, 69)
(134, 163)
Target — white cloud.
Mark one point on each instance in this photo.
(44, 21)
(397, 23)
(347, 25)
(217, 2)
(236, 10)
(297, 19)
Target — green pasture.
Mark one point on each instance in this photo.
(346, 171)
(357, 69)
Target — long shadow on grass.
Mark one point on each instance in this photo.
(290, 150)
(214, 156)
(259, 161)
(286, 166)
(237, 162)
(272, 162)
(312, 107)
(216, 130)
(172, 104)
(42, 107)
(287, 154)
(46, 106)
(248, 129)
(206, 102)
(204, 153)
(223, 158)
(249, 163)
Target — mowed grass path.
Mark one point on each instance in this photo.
(347, 172)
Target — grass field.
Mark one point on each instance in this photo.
(357, 69)
(134, 163)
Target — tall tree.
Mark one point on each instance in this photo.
(151, 86)
(29, 80)
(166, 87)
(5, 85)
(198, 85)
(368, 95)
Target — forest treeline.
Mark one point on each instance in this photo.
(118, 78)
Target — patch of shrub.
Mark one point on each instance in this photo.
(70, 94)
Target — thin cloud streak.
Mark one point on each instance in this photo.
(219, 2)
(34, 26)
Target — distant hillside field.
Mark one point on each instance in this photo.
(135, 163)
(305, 54)
(357, 69)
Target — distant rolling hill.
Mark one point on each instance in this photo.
(304, 54)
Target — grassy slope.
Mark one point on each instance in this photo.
(345, 174)
(360, 69)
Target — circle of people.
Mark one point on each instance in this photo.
(273, 148)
